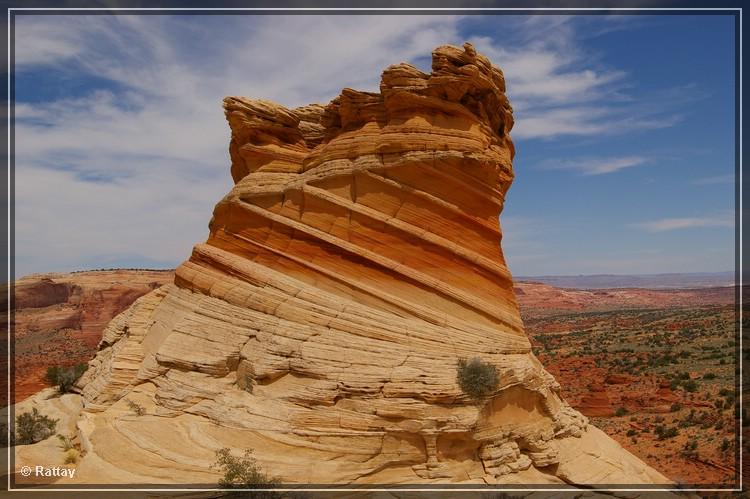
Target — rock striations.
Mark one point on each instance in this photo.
(356, 259)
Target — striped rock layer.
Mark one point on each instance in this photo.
(356, 259)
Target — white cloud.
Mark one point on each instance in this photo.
(560, 89)
(669, 224)
(131, 172)
(44, 41)
(597, 166)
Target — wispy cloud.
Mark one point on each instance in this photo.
(719, 179)
(669, 224)
(596, 166)
(132, 168)
(558, 88)
(138, 158)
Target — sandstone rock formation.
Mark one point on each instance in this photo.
(356, 259)
(58, 318)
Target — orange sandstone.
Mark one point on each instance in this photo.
(356, 259)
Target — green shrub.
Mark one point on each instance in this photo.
(65, 377)
(621, 411)
(242, 472)
(690, 449)
(32, 427)
(675, 407)
(476, 378)
(65, 443)
(664, 433)
(690, 386)
(631, 432)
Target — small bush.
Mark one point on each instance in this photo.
(690, 449)
(65, 443)
(709, 376)
(621, 411)
(242, 472)
(690, 386)
(65, 377)
(137, 409)
(476, 378)
(675, 407)
(631, 432)
(71, 456)
(32, 427)
(665, 433)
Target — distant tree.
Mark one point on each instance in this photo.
(664, 433)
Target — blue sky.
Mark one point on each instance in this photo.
(624, 129)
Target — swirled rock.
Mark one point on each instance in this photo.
(354, 261)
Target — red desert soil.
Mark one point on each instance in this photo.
(542, 299)
(59, 318)
(655, 369)
(621, 356)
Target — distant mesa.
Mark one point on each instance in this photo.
(645, 281)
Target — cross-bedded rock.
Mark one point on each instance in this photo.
(356, 259)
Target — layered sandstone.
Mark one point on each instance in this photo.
(356, 259)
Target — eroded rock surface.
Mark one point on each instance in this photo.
(356, 259)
